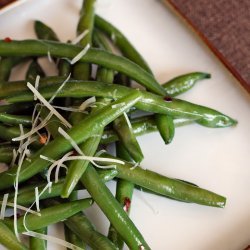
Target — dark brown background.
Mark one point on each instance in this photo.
(225, 27)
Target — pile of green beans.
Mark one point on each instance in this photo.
(112, 119)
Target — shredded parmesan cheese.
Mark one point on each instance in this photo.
(80, 54)
(34, 130)
(118, 105)
(49, 57)
(72, 142)
(47, 104)
(87, 103)
(127, 120)
(80, 37)
(60, 88)
(70, 109)
(36, 85)
(3, 207)
(10, 204)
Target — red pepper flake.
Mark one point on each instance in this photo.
(168, 99)
(43, 139)
(7, 39)
(127, 203)
(75, 153)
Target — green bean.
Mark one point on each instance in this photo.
(7, 133)
(96, 56)
(52, 215)
(73, 238)
(183, 83)
(36, 243)
(101, 41)
(127, 138)
(60, 145)
(112, 209)
(70, 236)
(15, 119)
(6, 154)
(26, 195)
(124, 193)
(77, 168)
(84, 229)
(86, 23)
(6, 65)
(121, 41)
(149, 102)
(44, 32)
(14, 108)
(8, 238)
(11, 88)
(173, 188)
(34, 70)
(140, 127)
(166, 127)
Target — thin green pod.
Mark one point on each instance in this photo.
(59, 146)
(127, 138)
(12, 88)
(140, 127)
(26, 195)
(52, 215)
(15, 119)
(166, 127)
(173, 188)
(113, 210)
(36, 243)
(34, 70)
(72, 238)
(8, 133)
(6, 154)
(96, 56)
(8, 238)
(85, 24)
(43, 31)
(149, 102)
(183, 83)
(121, 41)
(124, 193)
(6, 65)
(84, 229)
(77, 168)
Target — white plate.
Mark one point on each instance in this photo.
(216, 159)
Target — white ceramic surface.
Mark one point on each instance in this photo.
(216, 159)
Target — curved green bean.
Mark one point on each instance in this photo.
(8, 238)
(124, 193)
(121, 41)
(149, 102)
(34, 70)
(173, 188)
(183, 83)
(112, 209)
(166, 127)
(36, 243)
(96, 56)
(15, 119)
